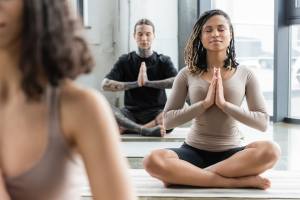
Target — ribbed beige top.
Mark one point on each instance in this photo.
(213, 129)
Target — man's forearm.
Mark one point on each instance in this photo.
(160, 84)
(111, 85)
(130, 85)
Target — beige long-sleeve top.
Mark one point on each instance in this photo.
(213, 129)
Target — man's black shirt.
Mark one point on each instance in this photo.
(126, 69)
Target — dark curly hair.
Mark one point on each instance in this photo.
(195, 53)
(52, 46)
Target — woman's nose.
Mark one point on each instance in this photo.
(215, 32)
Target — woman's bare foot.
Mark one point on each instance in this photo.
(242, 182)
(253, 182)
(166, 185)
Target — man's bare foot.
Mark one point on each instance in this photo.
(121, 130)
(158, 131)
(253, 182)
(150, 124)
(158, 120)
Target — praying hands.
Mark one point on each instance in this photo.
(215, 94)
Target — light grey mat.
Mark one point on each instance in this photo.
(285, 185)
(177, 135)
(130, 143)
(140, 149)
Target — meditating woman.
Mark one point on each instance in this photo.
(212, 155)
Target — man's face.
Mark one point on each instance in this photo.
(144, 36)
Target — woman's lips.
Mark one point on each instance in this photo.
(215, 41)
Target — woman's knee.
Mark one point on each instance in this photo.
(155, 162)
(270, 152)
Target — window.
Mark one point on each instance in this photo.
(294, 111)
(81, 8)
(254, 39)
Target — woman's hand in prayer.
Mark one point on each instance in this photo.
(210, 97)
(220, 100)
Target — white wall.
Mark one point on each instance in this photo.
(101, 19)
(164, 15)
(111, 33)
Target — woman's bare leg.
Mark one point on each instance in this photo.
(256, 158)
(167, 167)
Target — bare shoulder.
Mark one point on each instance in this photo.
(81, 98)
(78, 99)
(81, 108)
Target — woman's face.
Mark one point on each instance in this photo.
(216, 35)
(10, 22)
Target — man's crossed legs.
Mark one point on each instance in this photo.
(146, 122)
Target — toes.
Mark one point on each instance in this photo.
(267, 183)
(162, 130)
(166, 185)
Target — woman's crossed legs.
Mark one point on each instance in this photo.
(237, 168)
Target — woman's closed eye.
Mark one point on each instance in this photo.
(208, 30)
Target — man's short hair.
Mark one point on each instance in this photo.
(144, 21)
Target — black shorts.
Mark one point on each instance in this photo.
(141, 117)
(202, 158)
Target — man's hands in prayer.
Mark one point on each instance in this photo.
(142, 77)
